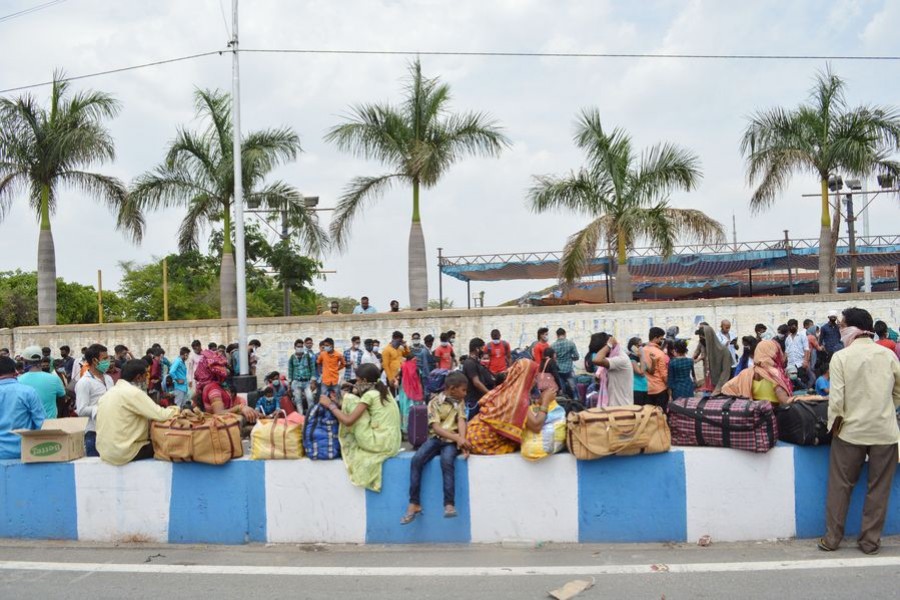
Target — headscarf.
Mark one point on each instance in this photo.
(768, 361)
(718, 359)
(210, 369)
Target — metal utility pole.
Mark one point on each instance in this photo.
(285, 235)
(244, 382)
(440, 279)
(100, 296)
(851, 230)
(787, 249)
(165, 270)
(867, 271)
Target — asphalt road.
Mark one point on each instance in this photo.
(779, 570)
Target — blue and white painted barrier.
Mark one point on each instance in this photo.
(678, 496)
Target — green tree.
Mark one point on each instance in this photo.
(45, 149)
(419, 141)
(198, 173)
(77, 303)
(627, 199)
(822, 137)
(192, 280)
(436, 304)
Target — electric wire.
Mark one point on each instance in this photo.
(26, 11)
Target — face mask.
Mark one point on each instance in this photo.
(103, 366)
(495, 340)
(369, 348)
(445, 344)
(545, 337)
(269, 398)
(355, 345)
(276, 383)
(376, 348)
(396, 343)
(452, 341)
(417, 343)
(327, 348)
(46, 369)
(811, 330)
(299, 350)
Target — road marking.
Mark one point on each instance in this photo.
(641, 569)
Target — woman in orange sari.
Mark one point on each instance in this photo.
(766, 380)
(503, 412)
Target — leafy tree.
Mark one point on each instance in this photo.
(198, 173)
(45, 149)
(822, 137)
(436, 304)
(627, 198)
(77, 303)
(346, 304)
(419, 141)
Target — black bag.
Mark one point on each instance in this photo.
(570, 404)
(417, 425)
(804, 423)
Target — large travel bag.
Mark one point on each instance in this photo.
(320, 434)
(278, 438)
(804, 423)
(723, 422)
(620, 430)
(195, 436)
(417, 425)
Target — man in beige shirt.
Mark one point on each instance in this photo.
(123, 418)
(865, 391)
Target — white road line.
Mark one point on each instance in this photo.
(642, 569)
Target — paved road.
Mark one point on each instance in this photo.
(648, 571)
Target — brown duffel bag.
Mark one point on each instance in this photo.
(619, 430)
(195, 436)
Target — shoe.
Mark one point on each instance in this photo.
(450, 512)
(821, 545)
(871, 552)
(410, 517)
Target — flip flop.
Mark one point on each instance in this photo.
(450, 512)
(410, 517)
(821, 545)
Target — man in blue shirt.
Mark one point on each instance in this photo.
(364, 308)
(178, 373)
(830, 338)
(20, 408)
(48, 386)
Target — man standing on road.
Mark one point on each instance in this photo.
(865, 392)
(566, 355)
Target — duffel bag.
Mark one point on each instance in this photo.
(804, 423)
(723, 422)
(195, 436)
(320, 434)
(620, 431)
(278, 438)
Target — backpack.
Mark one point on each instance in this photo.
(320, 434)
(520, 353)
(435, 382)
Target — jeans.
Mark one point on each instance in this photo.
(327, 389)
(181, 398)
(431, 448)
(298, 391)
(567, 385)
(90, 443)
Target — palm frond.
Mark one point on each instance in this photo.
(279, 195)
(607, 152)
(577, 192)
(373, 131)
(262, 151)
(663, 169)
(11, 184)
(165, 188)
(351, 202)
(200, 212)
(114, 194)
(215, 106)
(580, 249)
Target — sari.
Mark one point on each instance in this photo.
(718, 359)
(373, 439)
(497, 428)
(767, 363)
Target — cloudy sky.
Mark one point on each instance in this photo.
(479, 206)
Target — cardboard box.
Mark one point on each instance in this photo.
(58, 440)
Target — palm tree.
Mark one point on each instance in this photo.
(822, 137)
(627, 198)
(43, 149)
(419, 141)
(198, 173)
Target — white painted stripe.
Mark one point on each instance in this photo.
(642, 569)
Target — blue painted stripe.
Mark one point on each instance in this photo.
(632, 499)
(38, 500)
(223, 504)
(384, 510)
(811, 489)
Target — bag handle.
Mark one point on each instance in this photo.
(272, 433)
(638, 431)
(614, 449)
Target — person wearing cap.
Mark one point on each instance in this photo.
(20, 408)
(830, 337)
(48, 386)
(392, 358)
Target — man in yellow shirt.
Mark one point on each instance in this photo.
(392, 358)
(864, 395)
(123, 418)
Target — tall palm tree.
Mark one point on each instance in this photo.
(44, 149)
(419, 141)
(627, 198)
(198, 173)
(822, 137)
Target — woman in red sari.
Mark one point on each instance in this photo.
(211, 372)
(504, 413)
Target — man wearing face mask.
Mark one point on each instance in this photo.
(301, 369)
(830, 338)
(796, 349)
(48, 386)
(88, 390)
(392, 358)
(369, 356)
(480, 379)
(421, 354)
(444, 355)
(352, 360)
(499, 352)
(331, 363)
(537, 349)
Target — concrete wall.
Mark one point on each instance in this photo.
(678, 496)
(518, 325)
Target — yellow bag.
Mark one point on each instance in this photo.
(550, 440)
(620, 430)
(276, 439)
(195, 436)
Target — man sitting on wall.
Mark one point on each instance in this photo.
(123, 418)
(20, 408)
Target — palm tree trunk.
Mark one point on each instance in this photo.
(418, 259)
(835, 236)
(622, 289)
(46, 265)
(227, 277)
(826, 275)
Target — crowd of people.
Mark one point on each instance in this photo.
(484, 397)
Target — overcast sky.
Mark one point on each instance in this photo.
(479, 206)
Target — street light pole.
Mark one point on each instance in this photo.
(851, 230)
(285, 235)
(244, 382)
(787, 249)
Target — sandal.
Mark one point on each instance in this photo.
(821, 545)
(410, 517)
(450, 512)
(871, 552)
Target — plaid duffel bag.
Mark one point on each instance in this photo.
(723, 422)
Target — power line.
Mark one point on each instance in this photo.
(26, 11)
(648, 55)
(119, 70)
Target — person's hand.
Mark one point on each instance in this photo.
(613, 342)
(325, 401)
(547, 397)
(463, 444)
(805, 364)
(465, 454)
(249, 414)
